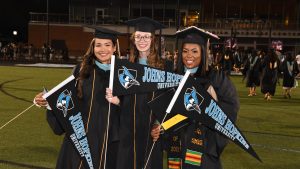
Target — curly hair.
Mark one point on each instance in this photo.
(153, 59)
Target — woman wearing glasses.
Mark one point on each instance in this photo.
(136, 119)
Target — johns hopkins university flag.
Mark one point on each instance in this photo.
(194, 102)
(129, 78)
(64, 103)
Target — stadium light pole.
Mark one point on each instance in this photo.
(270, 36)
(178, 16)
(47, 22)
(177, 22)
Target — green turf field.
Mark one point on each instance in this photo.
(273, 128)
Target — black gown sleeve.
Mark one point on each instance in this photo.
(226, 93)
(54, 123)
(229, 102)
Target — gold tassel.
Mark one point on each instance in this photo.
(118, 46)
(207, 53)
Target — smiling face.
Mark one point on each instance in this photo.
(103, 49)
(191, 55)
(142, 41)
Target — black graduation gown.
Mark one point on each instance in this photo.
(68, 157)
(237, 60)
(289, 77)
(213, 142)
(227, 63)
(135, 124)
(269, 75)
(136, 121)
(252, 71)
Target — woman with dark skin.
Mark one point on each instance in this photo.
(210, 144)
(92, 77)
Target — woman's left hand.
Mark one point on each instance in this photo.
(110, 98)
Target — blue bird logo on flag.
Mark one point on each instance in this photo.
(65, 102)
(192, 100)
(126, 78)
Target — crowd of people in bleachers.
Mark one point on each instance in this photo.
(23, 52)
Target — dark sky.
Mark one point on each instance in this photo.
(14, 15)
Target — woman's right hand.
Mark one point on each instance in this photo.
(40, 101)
(155, 132)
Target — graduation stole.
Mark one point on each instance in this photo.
(64, 103)
(252, 62)
(185, 148)
(174, 151)
(193, 101)
(131, 78)
(290, 67)
(194, 146)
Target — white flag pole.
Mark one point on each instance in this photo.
(16, 116)
(181, 84)
(44, 96)
(60, 85)
(110, 86)
(111, 76)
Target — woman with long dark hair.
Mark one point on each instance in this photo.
(92, 76)
(270, 70)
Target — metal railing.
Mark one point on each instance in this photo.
(215, 24)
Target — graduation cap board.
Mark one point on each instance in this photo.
(104, 33)
(198, 36)
(64, 103)
(194, 34)
(145, 24)
(192, 101)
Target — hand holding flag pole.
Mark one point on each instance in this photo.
(181, 84)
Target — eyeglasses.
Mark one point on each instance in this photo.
(146, 38)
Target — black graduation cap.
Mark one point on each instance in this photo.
(199, 36)
(104, 33)
(145, 24)
(193, 34)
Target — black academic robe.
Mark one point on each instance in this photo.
(96, 122)
(269, 75)
(227, 63)
(136, 120)
(252, 71)
(208, 142)
(289, 75)
(237, 60)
